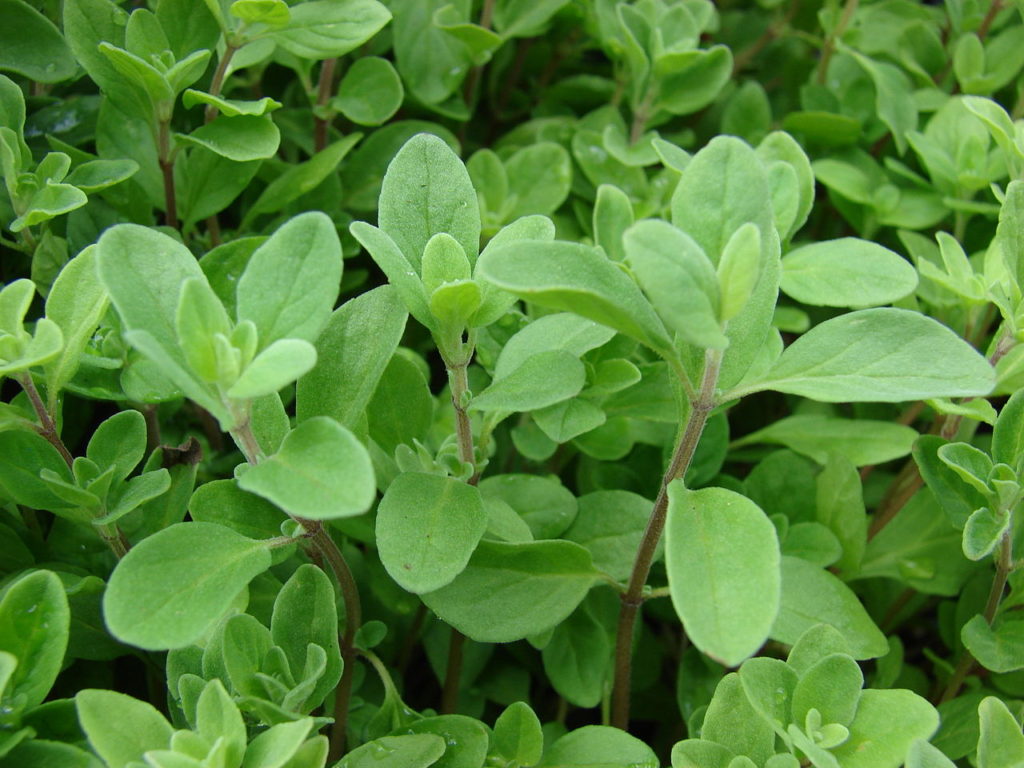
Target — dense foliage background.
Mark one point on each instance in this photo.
(511, 382)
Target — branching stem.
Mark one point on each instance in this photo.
(631, 599)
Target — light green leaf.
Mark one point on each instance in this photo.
(678, 278)
(997, 647)
(427, 190)
(94, 175)
(427, 529)
(172, 587)
(324, 29)
(577, 659)
(399, 270)
(539, 178)
(847, 272)
(352, 353)
(887, 723)
(1001, 742)
(370, 92)
(541, 583)
(739, 270)
(1008, 433)
(839, 504)
(321, 472)
(722, 557)
(542, 380)
(924, 755)
(575, 278)
(832, 686)
(860, 441)
(983, 531)
(240, 138)
(278, 365)
(517, 736)
(275, 746)
(291, 282)
(34, 625)
(562, 330)
(878, 355)
(418, 750)
(119, 728)
(731, 721)
(230, 107)
(811, 595)
(598, 746)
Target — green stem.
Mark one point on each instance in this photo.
(1004, 565)
(631, 599)
(829, 48)
(217, 84)
(641, 116)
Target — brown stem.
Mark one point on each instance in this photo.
(409, 642)
(469, 89)
(166, 160)
(1004, 564)
(327, 551)
(459, 384)
(47, 428)
(986, 23)
(641, 116)
(323, 95)
(700, 409)
(830, 42)
(453, 673)
(774, 30)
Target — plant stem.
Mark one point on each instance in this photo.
(111, 534)
(631, 599)
(328, 552)
(166, 160)
(986, 23)
(453, 673)
(217, 84)
(829, 48)
(641, 116)
(323, 94)
(459, 384)
(1004, 565)
(469, 90)
(48, 428)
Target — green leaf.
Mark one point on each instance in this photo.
(466, 738)
(49, 201)
(299, 179)
(209, 183)
(240, 138)
(399, 270)
(352, 354)
(731, 721)
(894, 97)
(678, 278)
(577, 659)
(923, 755)
(95, 175)
(34, 625)
(847, 272)
(691, 80)
(769, 684)
(542, 380)
(860, 441)
(174, 586)
(275, 367)
(119, 442)
(32, 46)
(230, 107)
(983, 531)
(321, 472)
(722, 188)
(22, 456)
(840, 506)
(305, 614)
(539, 178)
(517, 736)
(561, 330)
(540, 583)
(575, 278)
(598, 746)
(738, 270)
(1001, 743)
(523, 18)
(427, 529)
(997, 647)
(811, 595)
(887, 723)
(1008, 433)
(427, 190)
(402, 407)
(324, 29)
(370, 92)
(543, 502)
(217, 717)
(832, 686)
(277, 745)
(722, 557)
(119, 728)
(613, 215)
(291, 282)
(878, 355)
(418, 750)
